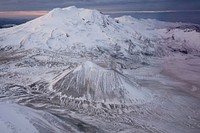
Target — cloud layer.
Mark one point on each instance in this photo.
(113, 5)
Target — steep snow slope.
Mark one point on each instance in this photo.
(65, 28)
(97, 84)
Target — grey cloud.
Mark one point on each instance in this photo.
(24, 5)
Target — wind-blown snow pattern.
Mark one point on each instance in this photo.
(19, 119)
(78, 70)
(93, 83)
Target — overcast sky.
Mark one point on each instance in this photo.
(166, 10)
(116, 5)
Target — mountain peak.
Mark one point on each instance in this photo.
(94, 83)
(75, 13)
(62, 10)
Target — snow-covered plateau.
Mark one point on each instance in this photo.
(78, 70)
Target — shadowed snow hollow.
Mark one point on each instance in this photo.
(94, 83)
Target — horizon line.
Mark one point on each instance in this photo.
(146, 11)
(32, 14)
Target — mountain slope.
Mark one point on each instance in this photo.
(19, 119)
(96, 84)
(84, 32)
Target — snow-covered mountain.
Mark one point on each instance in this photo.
(116, 74)
(68, 28)
(93, 83)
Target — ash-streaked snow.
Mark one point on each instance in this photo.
(88, 72)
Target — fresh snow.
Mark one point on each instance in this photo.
(18, 119)
(78, 70)
(99, 84)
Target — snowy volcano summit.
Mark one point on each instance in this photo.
(88, 72)
(89, 33)
(83, 31)
(64, 29)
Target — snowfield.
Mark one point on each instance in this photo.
(78, 70)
